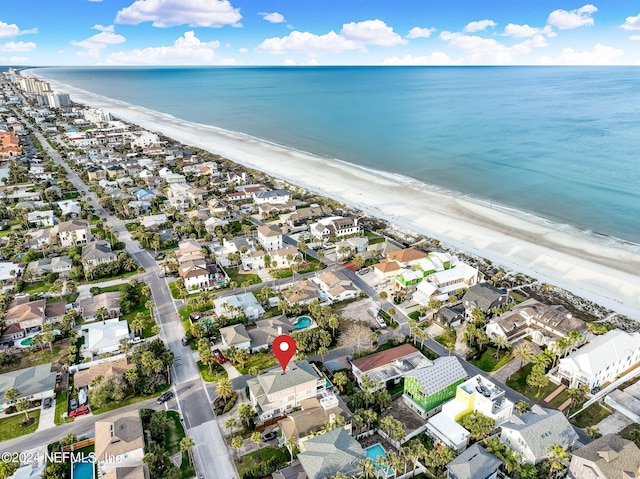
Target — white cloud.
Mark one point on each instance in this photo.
(244, 50)
(14, 60)
(568, 19)
(273, 17)
(186, 50)
(526, 31)
(599, 55)
(631, 23)
(169, 13)
(312, 62)
(419, 32)
(435, 58)
(60, 52)
(12, 30)
(489, 51)
(305, 42)
(371, 32)
(478, 26)
(635, 37)
(17, 46)
(91, 46)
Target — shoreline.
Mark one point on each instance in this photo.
(568, 259)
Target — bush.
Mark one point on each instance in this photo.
(230, 403)
(95, 290)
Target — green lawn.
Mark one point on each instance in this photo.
(591, 416)
(11, 427)
(260, 360)
(241, 278)
(37, 287)
(446, 339)
(518, 381)
(517, 297)
(218, 373)
(110, 278)
(631, 432)
(140, 308)
(61, 407)
(267, 459)
(172, 445)
(557, 401)
(488, 362)
(128, 401)
(175, 291)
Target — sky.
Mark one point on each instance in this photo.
(319, 32)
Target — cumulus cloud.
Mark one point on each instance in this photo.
(186, 50)
(478, 26)
(419, 32)
(526, 31)
(273, 17)
(8, 30)
(631, 23)
(599, 55)
(352, 36)
(170, 13)
(92, 46)
(568, 19)
(243, 50)
(17, 46)
(14, 60)
(481, 50)
(635, 37)
(435, 58)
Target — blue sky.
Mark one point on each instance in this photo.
(322, 32)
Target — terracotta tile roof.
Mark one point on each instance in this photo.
(386, 266)
(383, 357)
(407, 254)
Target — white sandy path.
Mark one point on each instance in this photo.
(607, 275)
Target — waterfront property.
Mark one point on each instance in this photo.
(484, 297)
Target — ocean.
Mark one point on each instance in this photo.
(559, 144)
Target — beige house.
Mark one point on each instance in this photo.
(270, 237)
(24, 316)
(609, 457)
(119, 443)
(73, 232)
(110, 301)
(274, 393)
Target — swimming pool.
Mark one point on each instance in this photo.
(373, 453)
(303, 322)
(83, 469)
(26, 342)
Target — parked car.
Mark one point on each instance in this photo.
(185, 342)
(136, 340)
(73, 404)
(220, 359)
(381, 322)
(269, 436)
(363, 271)
(161, 274)
(46, 403)
(165, 397)
(81, 411)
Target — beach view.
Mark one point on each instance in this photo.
(436, 207)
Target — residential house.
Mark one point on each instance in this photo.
(442, 284)
(407, 257)
(60, 264)
(303, 292)
(73, 232)
(303, 216)
(626, 401)
(83, 379)
(89, 306)
(235, 335)
(335, 227)
(474, 463)
(479, 394)
(484, 297)
(119, 442)
(36, 382)
(274, 197)
(389, 366)
(103, 337)
(200, 274)
(544, 324)
(266, 330)
(312, 417)
(270, 237)
(153, 222)
(386, 269)
(31, 316)
(96, 173)
(144, 194)
(97, 253)
(608, 457)
(428, 387)
(220, 208)
(330, 453)
(238, 305)
(335, 286)
(69, 208)
(282, 258)
(274, 393)
(600, 361)
(450, 316)
(531, 434)
(41, 219)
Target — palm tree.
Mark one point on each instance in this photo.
(340, 379)
(290, 444)
(237, 442)
(12, 394)
(500, 342)
(368, 467)
(187, 444)
(256, 437)
(592, 431)
(24, 404)
(558, 457)
(358, 261)
(224, 389)
(524, 353)
(124, 345)
(102, 313)
(7, 468)
(231, 424)
(521, 407)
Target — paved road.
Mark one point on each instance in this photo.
(191, 395)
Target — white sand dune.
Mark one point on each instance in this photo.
(605, 274)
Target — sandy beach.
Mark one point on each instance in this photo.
(607, 275)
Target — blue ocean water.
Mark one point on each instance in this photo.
(557, 142)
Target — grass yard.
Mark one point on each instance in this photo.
(35, 288)
(218, 372)
(557, 401)
(241, 278)
(591, 416)
(631, 432)
(446, 339)
(261, 361)
(518, 382)
(518, 297)
(488, 362)
(61, 407)
(262, 462)
(172, 445)
(128, 401)
(140, 308)
(11, 427)
(175, 291)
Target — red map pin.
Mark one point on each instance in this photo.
(284, 348)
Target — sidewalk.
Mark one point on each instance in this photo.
(84, 289)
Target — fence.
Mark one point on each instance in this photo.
(79, 445)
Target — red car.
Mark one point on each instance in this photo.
(220, 359)
(81, 411)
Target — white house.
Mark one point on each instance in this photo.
(237, 305)
(42, 219)
(335, 226)
(335, 286)
(270, 237)
(103, 337)
(73, 232)
(275, 197)
(235, 335)
(601, 360)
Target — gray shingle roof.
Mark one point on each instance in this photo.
(474, 463)
(29, 381)
(331, 452)
(443, 373)
(482, 295)
(612, 454)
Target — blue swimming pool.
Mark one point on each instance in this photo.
(303, 322)
(83, 469)
(373, 453)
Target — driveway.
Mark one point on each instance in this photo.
(47, 417)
